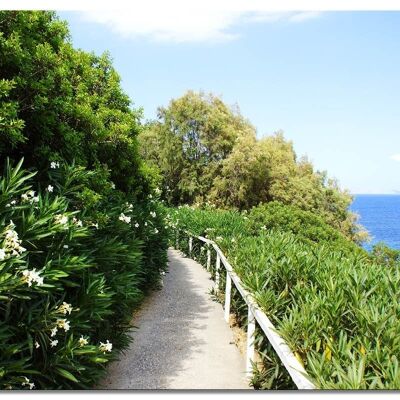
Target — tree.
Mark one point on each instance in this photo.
(259, 171)
(245, 177)
(59, 102)
(206, 151)
(189, 141)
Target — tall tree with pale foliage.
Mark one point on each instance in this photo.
(205, 150)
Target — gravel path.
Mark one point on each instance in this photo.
(182, 340)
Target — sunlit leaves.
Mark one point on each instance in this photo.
(334, 304)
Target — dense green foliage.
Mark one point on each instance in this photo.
(189, 142)
(60, 268)
(205, 151)
(61, 103)
(336, 306)
(307, 227)
(82, 234)
(385, 255)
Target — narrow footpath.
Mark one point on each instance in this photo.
(181, 340)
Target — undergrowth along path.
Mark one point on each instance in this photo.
(182, 340)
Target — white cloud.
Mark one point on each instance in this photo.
(303, 16)
(188, 21)
(395, 157)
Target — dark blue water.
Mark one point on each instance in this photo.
(380, 215)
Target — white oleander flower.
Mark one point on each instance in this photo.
(63, 324)
(54, 332)
(37, 345)
(124, 218)
(77, 222)
(54, 164)
(105, 346)
(32, 276)
(83, 341)
(53, 343)
(112, 185)
(263, 228)
(65, 308)
(65, 246)
(136, 225)
(61, 219)
(28, 383)
(50, 188)
(11, 203)
(30, 196)
(153, 214)
(155, 230)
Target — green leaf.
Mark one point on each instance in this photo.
(66, 374)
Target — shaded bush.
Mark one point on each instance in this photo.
(69, 282)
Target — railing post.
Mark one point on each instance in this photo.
(208, 257)
(190, 246)
(251, 327)
(217, 266)
(228, 288)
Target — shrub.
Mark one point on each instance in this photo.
(307, 226)
(336, 308)
(87, 226)
(385, 255)
(69, 282)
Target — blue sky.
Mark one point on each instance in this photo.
(329, 80)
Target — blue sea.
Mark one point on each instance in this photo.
(380, 215)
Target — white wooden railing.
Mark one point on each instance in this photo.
(255, 314)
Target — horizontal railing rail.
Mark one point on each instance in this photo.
(289, 360)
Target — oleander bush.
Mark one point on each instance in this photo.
(307, 226)
(70, 277)
(336, 306)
